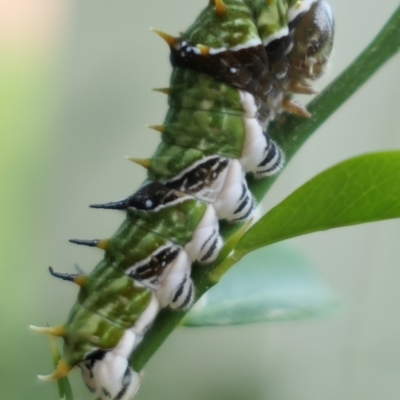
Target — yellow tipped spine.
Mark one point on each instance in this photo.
(58, 330)
(80, 280)
(220, 7)
(171, 40)
(61, 371)
(166, 91)
(103, 244)
(158, 128)
(297, 87)
(292, 107)
(144, 162)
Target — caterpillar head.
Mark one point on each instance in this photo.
(312, 42)
(108, 376)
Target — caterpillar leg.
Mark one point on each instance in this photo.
(272, 162)
(235, 202)
(254, 144)
(107, 373)
(184, 295)
(261, 156)
(206, 241)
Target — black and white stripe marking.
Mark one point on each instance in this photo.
(152, 270)
(272, 162)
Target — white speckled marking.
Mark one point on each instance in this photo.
(149, 203)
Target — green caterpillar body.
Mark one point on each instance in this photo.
(233, 71)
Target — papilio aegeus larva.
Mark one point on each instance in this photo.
(233, 70)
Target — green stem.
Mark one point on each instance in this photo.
(64, 387)
(216, 274)
(290, 135)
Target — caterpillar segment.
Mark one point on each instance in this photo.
(99, 335)
(107, 373)
(152, 270)
(234, 70)
(276, 45)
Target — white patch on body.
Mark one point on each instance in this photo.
(249, 104)
(184, 296)
(196, 50)
(178, 272)
(111, 377)
(254, 145)
(146, 318)
(205, 243)
(298, 8)
(233, 195)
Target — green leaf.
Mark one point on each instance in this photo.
(269, 285)
(359, 190)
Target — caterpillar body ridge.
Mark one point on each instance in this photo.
(233, 71)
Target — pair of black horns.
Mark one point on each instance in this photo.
(102, 243)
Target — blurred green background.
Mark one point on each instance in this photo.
(75, 80)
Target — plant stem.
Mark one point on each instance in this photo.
(290, 135)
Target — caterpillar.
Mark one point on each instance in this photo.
(234, 70)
